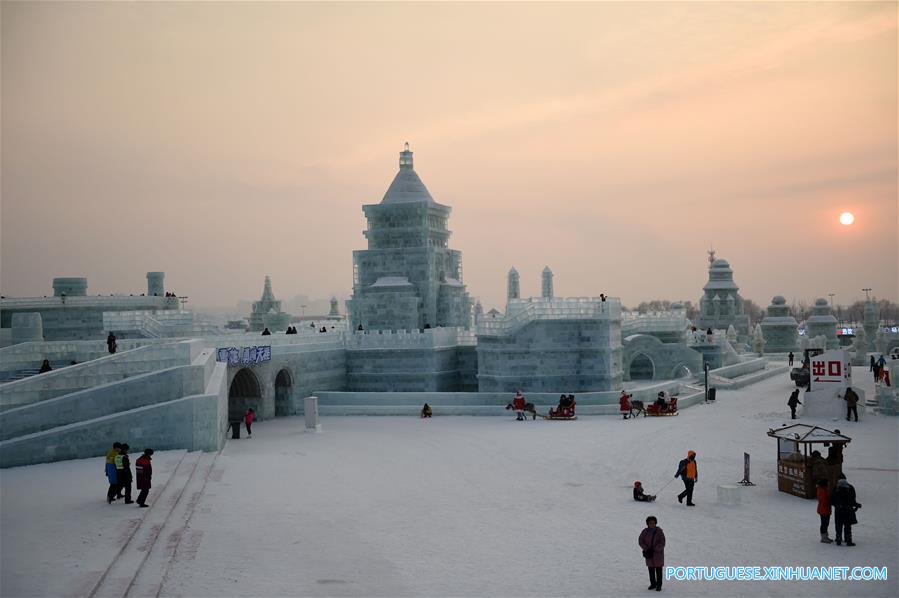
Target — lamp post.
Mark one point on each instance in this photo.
(705, 368)
(868, 290)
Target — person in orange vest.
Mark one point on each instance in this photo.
(689, 473)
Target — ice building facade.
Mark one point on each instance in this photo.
(71, 314)
(779, 328)
(721, 305)
(822, 323)
(267, 312)
(408, 278)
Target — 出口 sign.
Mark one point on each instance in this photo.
(234, 356)
(831, 367)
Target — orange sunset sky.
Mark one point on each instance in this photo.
(615, 142)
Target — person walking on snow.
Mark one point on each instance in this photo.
(844, 506)
(851, 399)
(652, 541)
(144, 470)
(248, 420)
(111, 472)
(792, 402)
(873, 364)
(790, 357)
(123, 475)
(689, 473)
(111, 344)
(824, 509)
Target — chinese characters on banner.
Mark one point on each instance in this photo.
(831, 367)
(244, 355)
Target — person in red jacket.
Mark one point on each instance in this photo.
(144, 470)
(518, 404)
(248, 420)
(824, 509)
(624, 402)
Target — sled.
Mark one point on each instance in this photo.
(653, 409)
(562, 413)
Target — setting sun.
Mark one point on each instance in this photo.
(846, 218)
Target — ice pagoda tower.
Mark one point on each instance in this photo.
(721, 305)
(267, 311)
(408, 278)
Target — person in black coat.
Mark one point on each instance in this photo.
(792, 402)
(123, 476)
(790, 357)
(111, 344)
(844, 507)
(45, 367)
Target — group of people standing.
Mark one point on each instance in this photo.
(841, 500)
(118, 474)
(879, 370)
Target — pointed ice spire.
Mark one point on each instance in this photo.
(547, 283)
(514, 287)
(267, 294)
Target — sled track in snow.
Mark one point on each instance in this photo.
(142, 561)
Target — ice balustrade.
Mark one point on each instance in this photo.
(122, 301)
(521, 312)
(427, 338)
(663, 321)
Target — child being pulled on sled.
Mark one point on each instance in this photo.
(641, 496)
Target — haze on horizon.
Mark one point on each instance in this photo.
(614, 142)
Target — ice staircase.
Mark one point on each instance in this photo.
(183, 406)
(139, 564)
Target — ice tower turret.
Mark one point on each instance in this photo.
(547, 283)
(513, 287)
(408, 277)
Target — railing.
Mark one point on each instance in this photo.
(403, 339)
(521, 312)
(121, 301)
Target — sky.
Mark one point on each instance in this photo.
(614, 142)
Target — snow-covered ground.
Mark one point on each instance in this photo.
(466, 506)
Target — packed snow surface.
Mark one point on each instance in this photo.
(467, 506)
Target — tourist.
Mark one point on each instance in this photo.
(661, 402)
(820, 470)
(873, 364)
(45, 367)
(426, 411)
(790, 357)
(111, 343)
(111, 472)
(688, 471)
(851, 399)
(518, 402)
(823, 509)
(885, 377)
(844, 506)
(266, 332)
(881, 362)
(640, 496)
(144, 470)
(360, 328)
(289, 330)
(123, 475)
(312, 325)
(652, 541)
(792, 402)
(248, 420)
(119, 461)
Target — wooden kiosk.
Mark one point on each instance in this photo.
(794, 462)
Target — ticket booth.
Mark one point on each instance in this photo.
(795, 445)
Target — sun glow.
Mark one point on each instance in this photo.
(846, 218)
